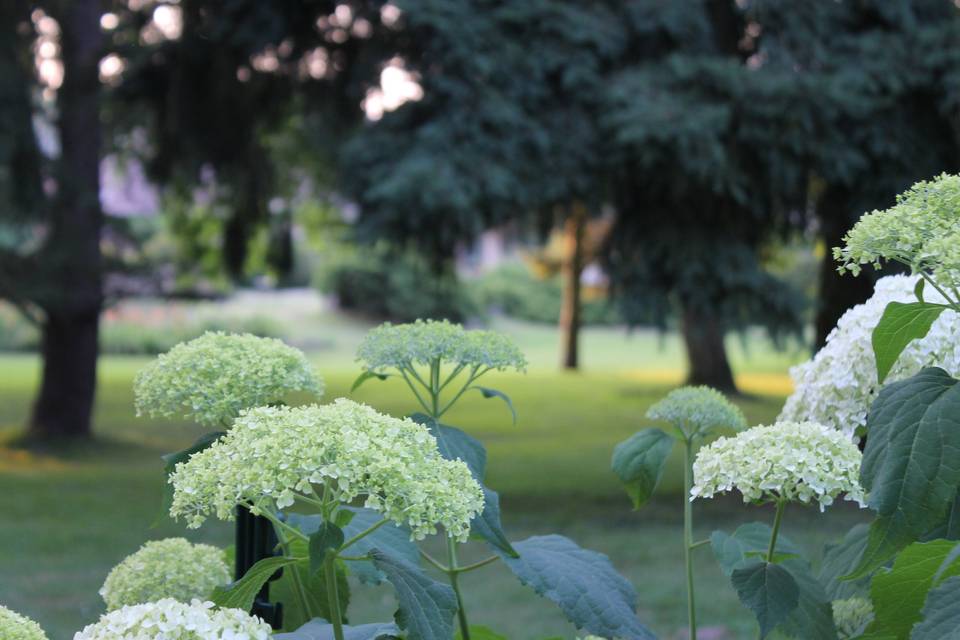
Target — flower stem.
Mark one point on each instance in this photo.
(781, 505)
(688, 535)
(453, 572)
(333, 598)
(363, 534)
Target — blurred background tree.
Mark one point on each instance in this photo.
(377, 143)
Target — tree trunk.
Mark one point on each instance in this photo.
(706, 352)
(574, 228)
(72, 255)
(837, 292)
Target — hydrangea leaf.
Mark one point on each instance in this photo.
(899, 593)
(900, 325)
(583, 583)
(842, 558)
(285, 590)
(327, 537)
(911, 463)
(940, 617)
(639, 462)
(454, 444)
(320, 629)
(241, 594)
(487, 392)
(394, 540)
(812, 618)
(768, 590)
(426, 607)
(367, 375)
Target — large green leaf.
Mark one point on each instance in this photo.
(589, 591)
(392, 539)
(911, 464)
(901, 324)
(940, 618)
(301, 605)
(841, 559)
(454, 444)
(768, 590)
(899, 593)
(426, 607)
(320, 629)
(639, 461)
(813, 616)
(240, 594)
(327, 538)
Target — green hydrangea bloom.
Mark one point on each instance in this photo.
(170, 568)
(425, 341)
(14, 626)
(796, 461)
(921, 230)
(169, 619)
(274, 453)
(697, 411)
(851, 616)
(212, 378)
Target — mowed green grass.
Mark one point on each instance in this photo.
(70, 513)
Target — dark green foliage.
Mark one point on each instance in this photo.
(384, 283)
(768, 590)
(426, 606)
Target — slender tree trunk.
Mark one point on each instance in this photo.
(574, 229)
(72, 255)
(837, 292)
(706, 353)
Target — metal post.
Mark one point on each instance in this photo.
(256, 540)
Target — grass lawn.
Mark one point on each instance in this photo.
(69, 514)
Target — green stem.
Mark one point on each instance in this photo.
(477, 565)
(333, 598)
(453, 571)
(463, 389)
(436, 563)
(409, 382)
(362, 534)
(283, 526)
(699, 543)
(281, 529)
(688, 536)
(781, 505)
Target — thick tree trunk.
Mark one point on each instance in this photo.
(72, 255)
(706, 353)
(574, 229)
(837, 292)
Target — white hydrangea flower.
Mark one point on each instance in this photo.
(838, 385)
(423, 342)
(14, 626)
(273, 453)
(169, 619)
(698, 410)
(212, 378)
(795, 461)
(171, 568)
(851, 616)
(921, 230)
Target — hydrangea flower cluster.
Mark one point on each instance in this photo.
(794, 461)
(697, 411)
(211, 378)
(921, 230)
(273, 453)
(14, 626)
(838, 385)
(170, 568)
(851, 616)
(425, 341)
(169, 619)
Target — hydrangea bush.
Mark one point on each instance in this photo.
(212, 378)
(170, 619)
(171, 568)
(837, 386)
(14, 626)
